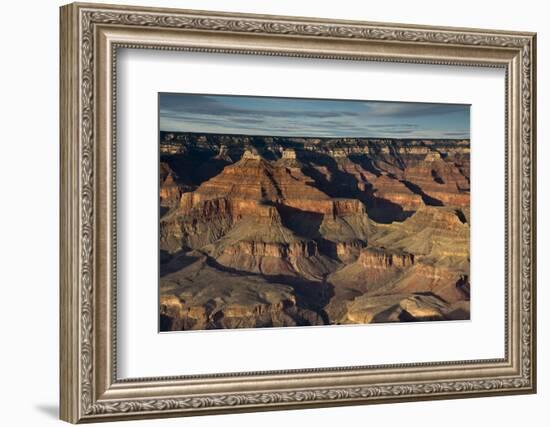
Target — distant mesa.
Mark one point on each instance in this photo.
(252, 154)
(432, 156)
(289, 154)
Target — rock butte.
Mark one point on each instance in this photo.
(275, 231)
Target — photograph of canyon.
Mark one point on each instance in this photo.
(279, 212)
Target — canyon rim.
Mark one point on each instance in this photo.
(306, 212)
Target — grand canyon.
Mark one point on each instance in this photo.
(267, 231)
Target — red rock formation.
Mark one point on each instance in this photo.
(380, 259)
(373, 268)
(440, 180)
(270, 249)
(396, 192)
(254, 187)
(170, 191)
(253, 180)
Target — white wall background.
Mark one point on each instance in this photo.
(29, 170)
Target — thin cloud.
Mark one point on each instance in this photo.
(406, 109)
(311, 117)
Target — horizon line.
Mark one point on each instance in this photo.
(312, 137)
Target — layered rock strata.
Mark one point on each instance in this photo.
(273, 231)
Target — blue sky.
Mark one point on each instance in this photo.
(272, 116)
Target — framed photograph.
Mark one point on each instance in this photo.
(267, 212)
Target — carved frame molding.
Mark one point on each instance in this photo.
(90, 390)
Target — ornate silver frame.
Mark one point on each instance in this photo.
(90, 36)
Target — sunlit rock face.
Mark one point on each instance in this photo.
(273, 231)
